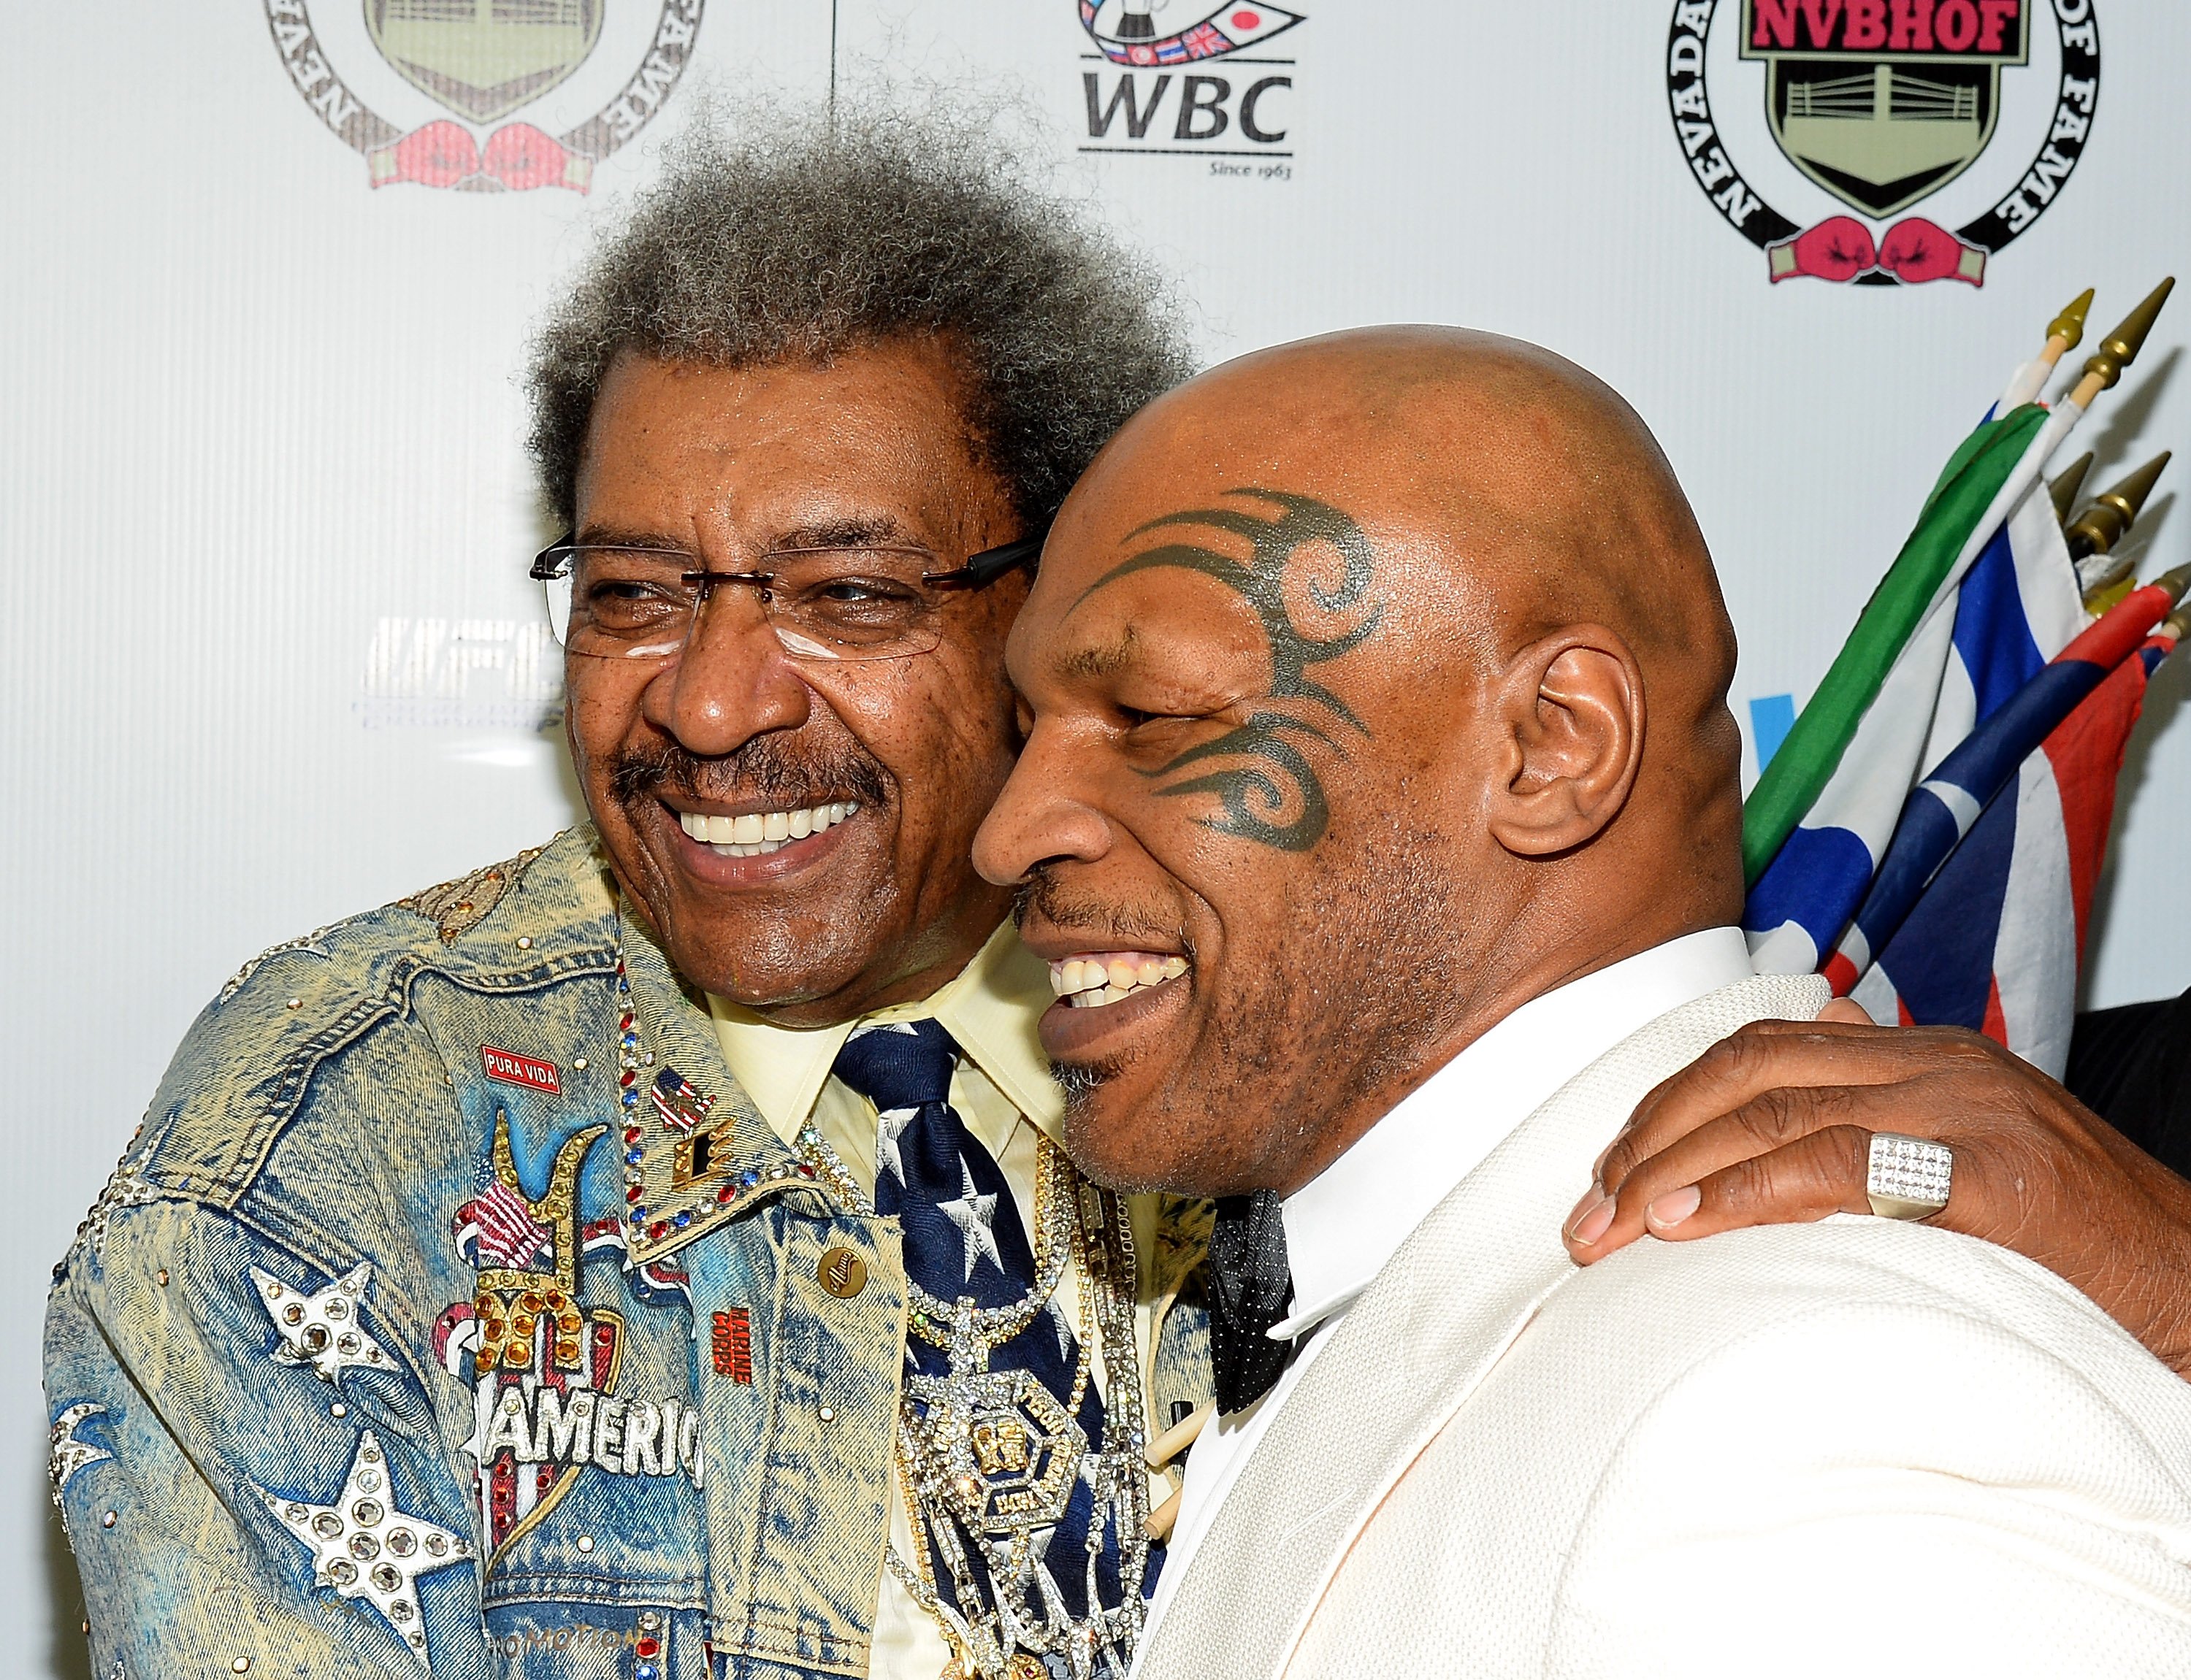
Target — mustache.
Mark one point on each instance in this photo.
(767, 767)
(1105, 921)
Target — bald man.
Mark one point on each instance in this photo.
(1378, 739)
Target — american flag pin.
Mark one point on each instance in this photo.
(680, 1106)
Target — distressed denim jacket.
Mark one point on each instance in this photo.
(359, 1366)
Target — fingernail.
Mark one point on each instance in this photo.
(1590, 1198)
(1671, 1208)
(1593, 1215)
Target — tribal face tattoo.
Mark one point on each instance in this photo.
(1274, 798)
(1203, 824)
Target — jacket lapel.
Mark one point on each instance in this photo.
(1413, 1348)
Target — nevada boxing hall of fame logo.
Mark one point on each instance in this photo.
(484, 95)
(1181, 78)
(1882, 142)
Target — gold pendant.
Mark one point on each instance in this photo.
(996, 1447)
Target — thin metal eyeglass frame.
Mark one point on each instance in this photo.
(552, 565)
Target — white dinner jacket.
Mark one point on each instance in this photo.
(1856, 1447)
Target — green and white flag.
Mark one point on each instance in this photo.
(1824, 809)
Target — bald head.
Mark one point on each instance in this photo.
(1529, 483)
(1378, 686)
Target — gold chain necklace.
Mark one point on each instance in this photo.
(991, 1456)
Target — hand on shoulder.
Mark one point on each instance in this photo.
(1773, 1125)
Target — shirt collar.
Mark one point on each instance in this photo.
(990, 1008)
(1343, 1225)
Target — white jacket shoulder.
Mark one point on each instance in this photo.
(1933, 1455)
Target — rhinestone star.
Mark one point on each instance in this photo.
(124, 1189)
(365, 1548)
(321, 1330)
(972, 1214)
(68, 1454)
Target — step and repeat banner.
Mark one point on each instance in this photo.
(272, 264)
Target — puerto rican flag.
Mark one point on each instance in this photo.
(1996, 940)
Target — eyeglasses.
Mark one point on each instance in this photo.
(607, 601)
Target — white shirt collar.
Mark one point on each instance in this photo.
(1343, 1225)
(991, 1008)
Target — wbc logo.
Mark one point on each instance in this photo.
(1817, 127)
(1132, 32)
(1140, 106)
(484, 95)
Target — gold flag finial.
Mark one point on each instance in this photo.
(2114, 511)
(2120, 347)
(2064, 487)
(2069, 325)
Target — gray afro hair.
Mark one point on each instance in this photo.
(819, 236)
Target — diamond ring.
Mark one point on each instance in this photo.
(1909, 1178)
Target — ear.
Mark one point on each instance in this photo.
(1569, 715)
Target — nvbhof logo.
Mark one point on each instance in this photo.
(484, 95)
(1817, 127)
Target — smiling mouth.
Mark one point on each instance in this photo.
(1093, 980)
(760, 832)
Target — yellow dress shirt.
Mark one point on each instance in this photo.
(1003, 1090)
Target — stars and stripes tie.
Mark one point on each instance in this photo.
(964, 1238)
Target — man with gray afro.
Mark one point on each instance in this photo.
(650, 1255)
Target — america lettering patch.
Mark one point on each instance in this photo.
(733, 1348)
(512, 1068)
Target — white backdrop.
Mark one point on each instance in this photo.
(269, 658)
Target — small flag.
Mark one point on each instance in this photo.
(680, 1106)
(1995, 942)
(1819, 819)
(503, 1226)
(1942, 809)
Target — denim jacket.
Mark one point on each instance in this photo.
(298, 1427)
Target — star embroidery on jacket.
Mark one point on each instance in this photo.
(124, 1190)
(890, 1126)
(322, 1329)
(972, 1214)
(364, 1548)
(68, 1453)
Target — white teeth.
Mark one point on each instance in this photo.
(1087, 982)
(759, 833)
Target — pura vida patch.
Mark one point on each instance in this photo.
(529, 1071)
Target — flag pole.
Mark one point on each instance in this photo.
(2064, 485)
(1990, 474)
(2119, 347)
(2063, 334)
(2094, 536)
